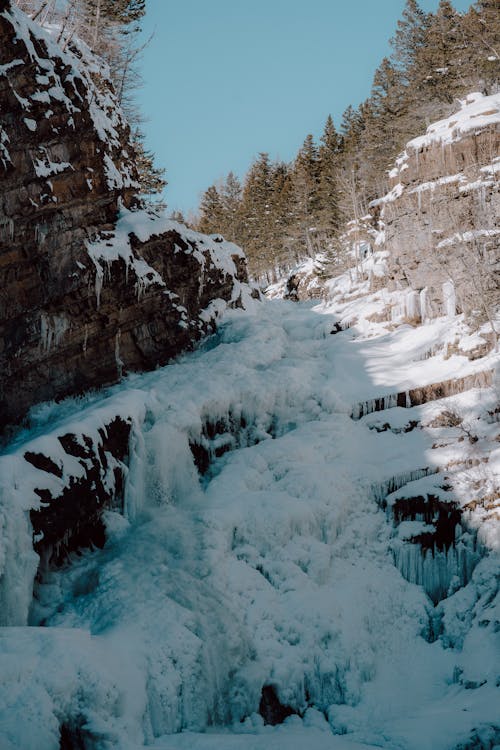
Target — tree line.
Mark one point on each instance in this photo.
(285, 211)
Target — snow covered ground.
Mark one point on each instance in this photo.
(280, 566)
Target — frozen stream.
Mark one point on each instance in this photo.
(273, 570)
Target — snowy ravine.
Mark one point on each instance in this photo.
(280, 564)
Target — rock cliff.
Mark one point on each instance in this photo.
(438, 228)
(442, 216)
(91, 287)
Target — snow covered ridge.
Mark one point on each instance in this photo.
(212, 253)
(65, 77)
(476, 113)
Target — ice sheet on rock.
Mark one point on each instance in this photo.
(277, 568)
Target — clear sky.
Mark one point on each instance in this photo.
(226, 79)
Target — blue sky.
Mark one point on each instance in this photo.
(225, 79)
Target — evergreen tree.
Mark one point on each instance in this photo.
(384, 125)
(179, 217)
(122, 12)
(285, 232)
(329, 153)
(257, 216)
(437, 72)
(211, 212)
(151, 179)
(231, 202)
(306, 188)
(409, 38)
(482, 29)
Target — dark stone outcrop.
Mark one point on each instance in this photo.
(72, 520)
(271, 709)
(443, 515)
(69, 320)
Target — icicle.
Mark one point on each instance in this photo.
(119, 363)
(52, 329)
(423, 304)
(449, 299)
(98, 285)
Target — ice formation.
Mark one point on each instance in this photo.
(277, 561)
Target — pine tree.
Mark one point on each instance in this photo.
(329, 153)
(179, 217)
(482, 29)
(211, 212)
(306, 188)
(257, 216)
(384, 127)
(151, 179)
(437, 71)
(409, 38)
(285, 230)
(231, 202)
(122, 12)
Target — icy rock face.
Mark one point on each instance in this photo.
(90, 288)
(71, 516)
(443, 208)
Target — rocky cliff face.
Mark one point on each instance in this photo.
(438, 229)
(441, 217)
(90, 287)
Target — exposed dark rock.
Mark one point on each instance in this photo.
(292, 288)
(69, 321)
(423, 394)
(74, 736)
(445, 516)
(271, 709)
(44, 463)
(73, 519)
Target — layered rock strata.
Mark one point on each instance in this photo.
(90, 287)
(442, 216)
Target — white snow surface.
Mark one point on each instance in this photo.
(280, 566)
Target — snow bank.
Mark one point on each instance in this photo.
(274, 568)
(477, 112)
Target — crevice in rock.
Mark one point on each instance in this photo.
(271, 709)
(74, 736)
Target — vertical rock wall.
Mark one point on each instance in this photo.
(89, 289)
(442, 215)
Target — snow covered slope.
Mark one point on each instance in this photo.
(310, 533)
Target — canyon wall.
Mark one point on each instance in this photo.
(91, 287)
(441, 219)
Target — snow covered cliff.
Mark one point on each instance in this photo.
(91, 288)
(441, 218)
